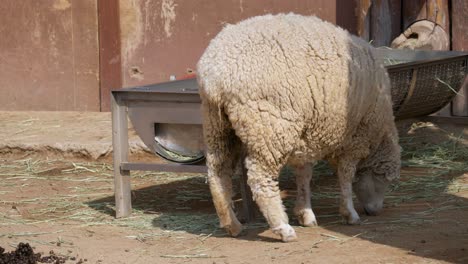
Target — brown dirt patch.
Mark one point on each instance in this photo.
(66, 205)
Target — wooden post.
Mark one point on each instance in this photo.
(460, 43)
(385, 21)
(363, 14)
(426, 25)
(122, 189)
(379, 21)
(110, 68)
(432, 10)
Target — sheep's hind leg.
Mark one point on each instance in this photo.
(222, 152)
(303, 207)
(346, 171)
(221, 190)
(266, 194)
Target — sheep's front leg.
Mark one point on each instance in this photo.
(265, 191)
(303, 208)
(346, 171)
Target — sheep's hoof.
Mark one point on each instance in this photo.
(352, 219)
(286, 232)
(234, 229)
(307, 218)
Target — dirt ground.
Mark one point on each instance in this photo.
(64, 203)
(72, 135)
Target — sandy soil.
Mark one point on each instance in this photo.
(66, 205)
(74, 135)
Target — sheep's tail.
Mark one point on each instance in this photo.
(219, 135)
(217, 129)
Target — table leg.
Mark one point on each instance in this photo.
(122, 189)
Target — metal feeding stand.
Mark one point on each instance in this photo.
(176, 102)
(422, 83)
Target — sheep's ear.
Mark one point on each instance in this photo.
(389, 169)
(390, 162)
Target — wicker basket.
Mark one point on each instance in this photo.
(423, 82)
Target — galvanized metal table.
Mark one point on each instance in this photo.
(176, 102)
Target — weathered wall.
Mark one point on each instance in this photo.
(49, 56)
(161, 38)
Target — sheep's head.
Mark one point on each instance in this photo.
(375, 174)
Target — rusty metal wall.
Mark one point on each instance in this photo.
(49, 57)
(161, 38)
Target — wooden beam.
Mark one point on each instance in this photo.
(122, 186)
(432, 10)
(385, 21)
(363, 14)
(378, 20)
(460, 43)
(110, 65)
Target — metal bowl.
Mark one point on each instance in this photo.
(179, 143)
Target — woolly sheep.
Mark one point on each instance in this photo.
(289, 89)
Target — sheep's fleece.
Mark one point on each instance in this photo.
(286, 88)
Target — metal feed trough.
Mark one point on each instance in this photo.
(423, 82)
(167, 116)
